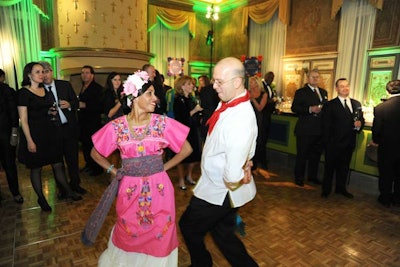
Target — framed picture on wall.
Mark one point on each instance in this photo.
(323, 65)
(291, 83)
(383, 62)
(377, 86)
(326, 81)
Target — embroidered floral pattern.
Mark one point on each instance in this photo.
(158, 126)
(160, 188)
(144, 215)
(121, 130)
(141, 149)
(130, 190)
(166, 227)
(127, 230)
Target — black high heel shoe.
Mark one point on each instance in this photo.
(73, 196)
(44, 205)
(18, 199)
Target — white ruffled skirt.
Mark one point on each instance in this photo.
(116, 257)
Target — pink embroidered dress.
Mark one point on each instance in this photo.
(145, 205)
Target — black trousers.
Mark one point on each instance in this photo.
(337, 162)
(70, 152)
(389, 175)
(86, 132)
(202, 217)
(309, 150)
(7, 159)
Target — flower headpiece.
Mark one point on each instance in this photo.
(135, 83)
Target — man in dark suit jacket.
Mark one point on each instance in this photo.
(342, 119)
(89, 117)
(209, 101)
(385, 135)
(68, 127)
(271, 100)
(307, 105)
(9, 136)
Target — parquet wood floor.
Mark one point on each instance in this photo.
(285, 226)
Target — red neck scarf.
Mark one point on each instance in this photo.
(215, 116)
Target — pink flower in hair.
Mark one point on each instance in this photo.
(134, 83)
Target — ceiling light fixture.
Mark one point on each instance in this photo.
(212, 12)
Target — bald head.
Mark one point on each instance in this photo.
(232, 67)
(229, 78)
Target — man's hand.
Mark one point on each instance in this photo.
(64, 104)
(316, 109)
(371, 143)
(247, 172)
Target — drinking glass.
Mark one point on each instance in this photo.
(53, 112)
(356, 117)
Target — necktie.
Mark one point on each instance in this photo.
(60, 115)
(346, 107)
(52, 94)
(215, 116)
(317, 93)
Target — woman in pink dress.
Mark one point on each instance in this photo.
(145, 231)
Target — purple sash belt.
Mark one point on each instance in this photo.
(137, 167)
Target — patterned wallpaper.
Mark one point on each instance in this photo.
(119, 24)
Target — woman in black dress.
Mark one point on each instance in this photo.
(113, 108)
(39, 143)
(185, 108)
(259, 98)
(112, 96)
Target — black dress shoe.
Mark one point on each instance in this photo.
(324, 195)
(384, 202)
(74, 197)
(346, 194)
(79, 190)
(299, 183)
(396, 203)
(61, 196)
(316, 181)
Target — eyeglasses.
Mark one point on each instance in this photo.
(220, 82)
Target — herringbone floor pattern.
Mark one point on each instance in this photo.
(285, 226)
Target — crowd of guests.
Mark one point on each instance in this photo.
(180, 126)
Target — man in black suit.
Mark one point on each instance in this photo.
(9, 136)
(271, 101)
(89, 117)
(67, 101)
(307, 105)
(385, 135)
(209, 101)
(342, 119)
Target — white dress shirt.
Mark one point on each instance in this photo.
(54, 91)
(231, 143)
(348, 102)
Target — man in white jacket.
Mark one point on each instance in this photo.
(225, 183)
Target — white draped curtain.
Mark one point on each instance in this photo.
(20, 37)
(166, 43)
(266, 40)
(355, 39)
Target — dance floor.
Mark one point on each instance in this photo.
(285, 225)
